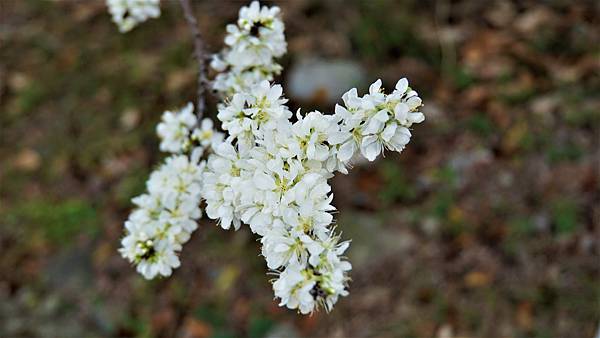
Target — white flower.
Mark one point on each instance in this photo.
(174, 129)
(234, 81)
(376, 121)
(348, 135)
(301, 286)
(221, 182)
(249, 114)
(267, 184)
(129, 13)
(331, 271)
(206, 136)
(282, 247)
(253, 44)
(162, 259)
(267, 107)
(310, 135)
(175, 181)
(165, 217)
(234, 117)
(308, 209)
(294, 289)
(258, 34)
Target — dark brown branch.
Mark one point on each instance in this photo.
(199, 54)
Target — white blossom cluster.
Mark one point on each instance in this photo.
(178, 132)
(375, 121)
(166, 215)
(252, 44)
(269, 171)
(129, 13)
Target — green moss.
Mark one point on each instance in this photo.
(59, 222)
(480, 124)
(212, 314)
(447, 176)
(396, 185)
(31, 96)
(259, 326)
(566, 152)
(461, 77)
(582, 117)
(442, 204)
(138, 327)
(565, 216)
(176, 56)
(394, 31)
(518, 97)
(520, 226)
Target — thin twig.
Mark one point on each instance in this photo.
(199, 54)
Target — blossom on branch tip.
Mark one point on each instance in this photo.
(376, 121)
(175, 128)
(252, 45)
(129, 13)
(165, 218)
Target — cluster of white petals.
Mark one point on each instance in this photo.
(271, 173)
(270, 169)
(252, 44)
(129, 13)
(376, 121)
(165, 217)
(175, 128)
(179, 132)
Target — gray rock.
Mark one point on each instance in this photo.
(323, 81)
(284, 330)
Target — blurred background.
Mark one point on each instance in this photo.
(487, 225)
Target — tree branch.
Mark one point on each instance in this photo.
(199, 54)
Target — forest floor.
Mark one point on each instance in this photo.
(487, 225)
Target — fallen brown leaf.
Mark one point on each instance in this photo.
(476, 279)
(28, 160)
(194, 328)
